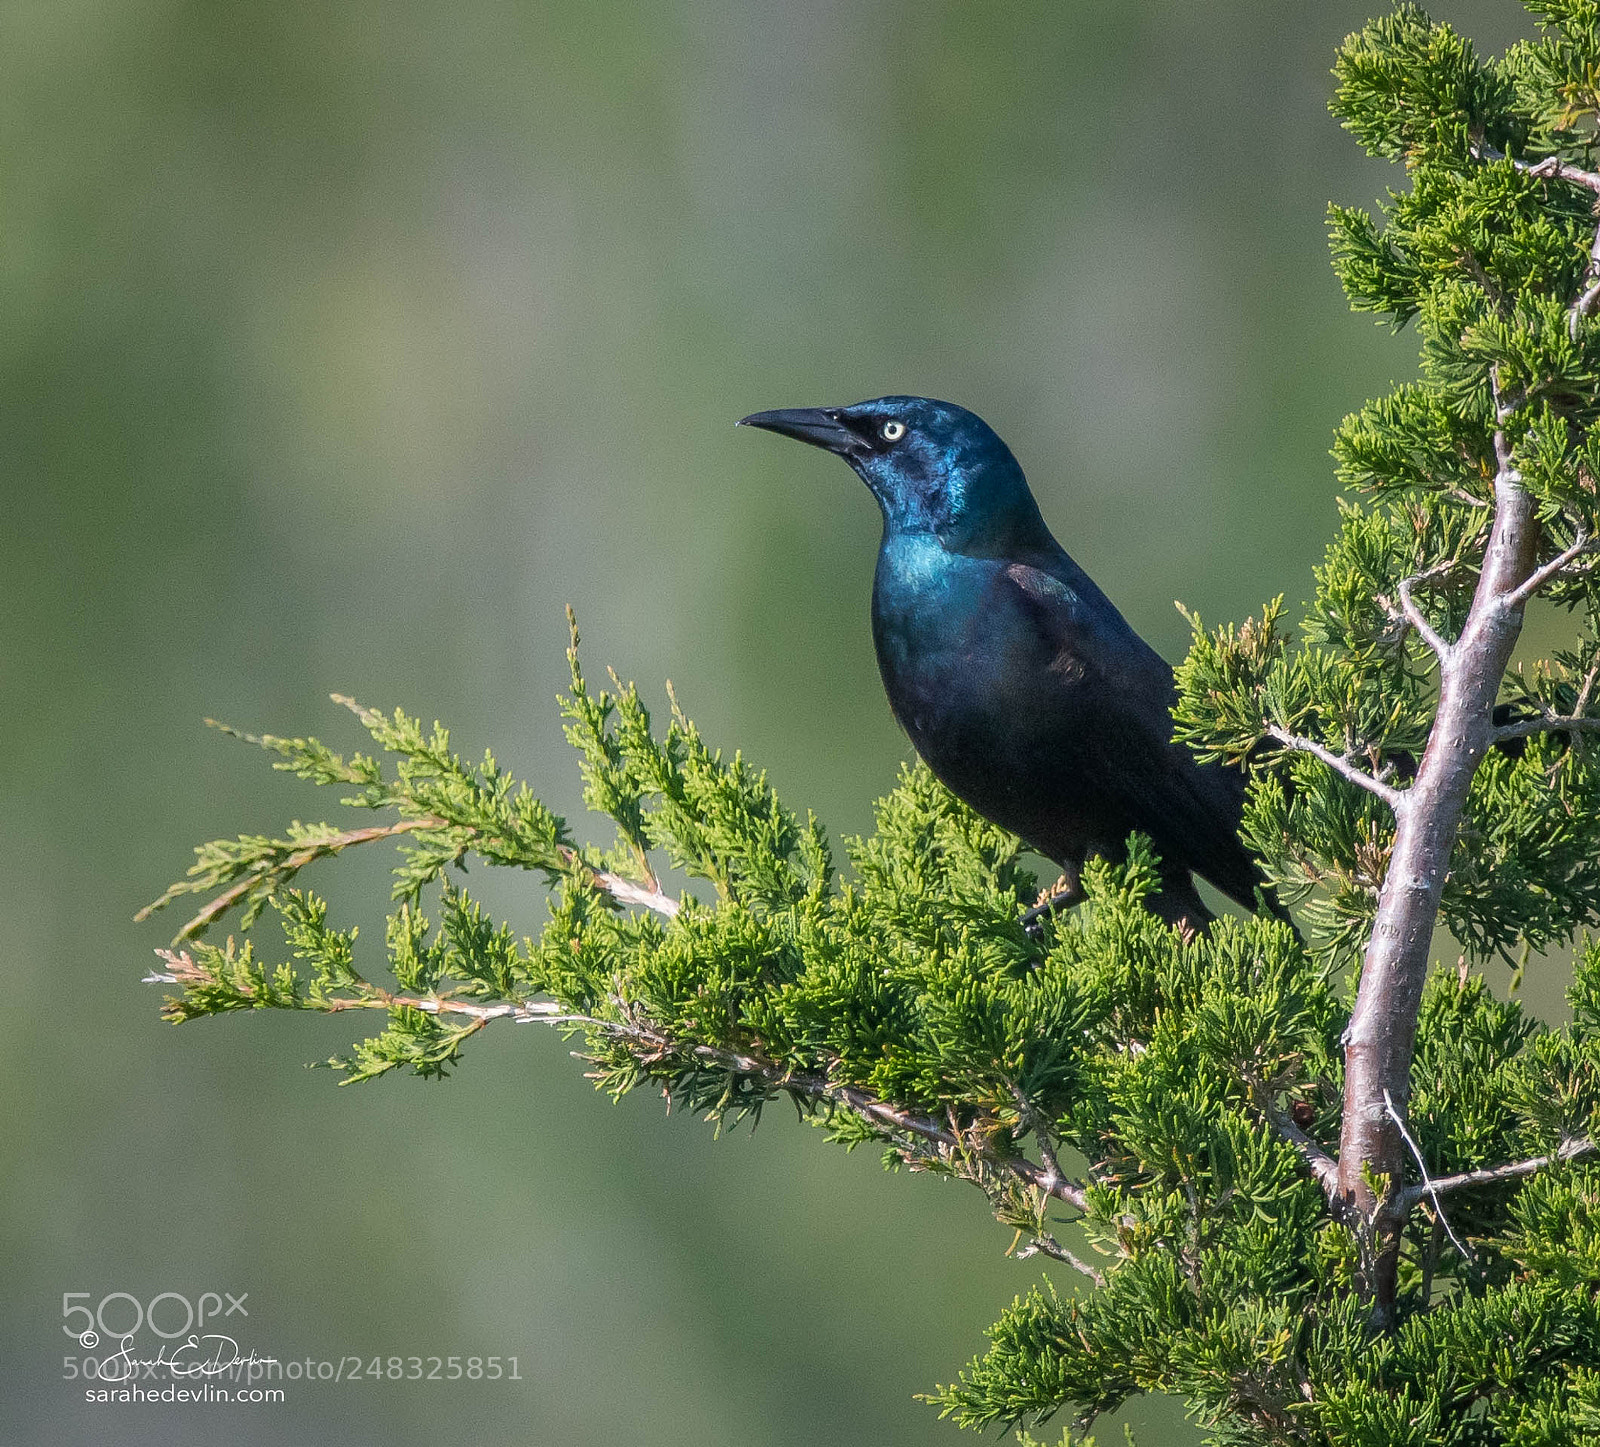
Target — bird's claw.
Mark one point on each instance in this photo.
(1061, 895)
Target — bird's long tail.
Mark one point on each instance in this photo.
(1177, 902)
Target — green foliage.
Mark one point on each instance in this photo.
(1154, 1110)
(1487, 255)
(911, 988)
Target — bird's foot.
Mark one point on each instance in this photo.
(1063, 894)
(1066, 885)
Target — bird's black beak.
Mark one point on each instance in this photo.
(820, 426)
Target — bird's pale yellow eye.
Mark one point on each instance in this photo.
(893, 431)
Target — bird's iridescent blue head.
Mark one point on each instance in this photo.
(933, 467)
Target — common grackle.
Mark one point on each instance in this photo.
(1020, 684)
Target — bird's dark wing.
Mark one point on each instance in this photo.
(1118, 693)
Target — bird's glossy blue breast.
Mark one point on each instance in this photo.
(948, 650)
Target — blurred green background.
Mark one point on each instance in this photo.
(340, 346)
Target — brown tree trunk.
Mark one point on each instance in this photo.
(1382, 1031)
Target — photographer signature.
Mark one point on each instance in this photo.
(223, 1356)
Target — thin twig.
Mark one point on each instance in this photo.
(1049, 1246)
(625, 891)
(1550, 724)
(1415, 616)
(864, 1105)
(1550, 168)
(1585, 304)
(1555, 723)
(1582, 544)
(1041, 1132)
(291, 864)
(1342, 765)
(1428, 1187)
(1323, 1167)
(182, 970)
(1569, 1150)
(1587, 687)
(858, 1101)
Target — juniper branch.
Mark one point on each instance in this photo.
(1415, 616)
(1045, 1245)
(182, 969)
(1569, 1150)
(1342, 764)
(1536, 580)
(954, 1146)
(275, 871)
(1380, 1038)
(1323, 1167)
(624, 891)
(652, 1045)
(1550, 168)
(1546, 724)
